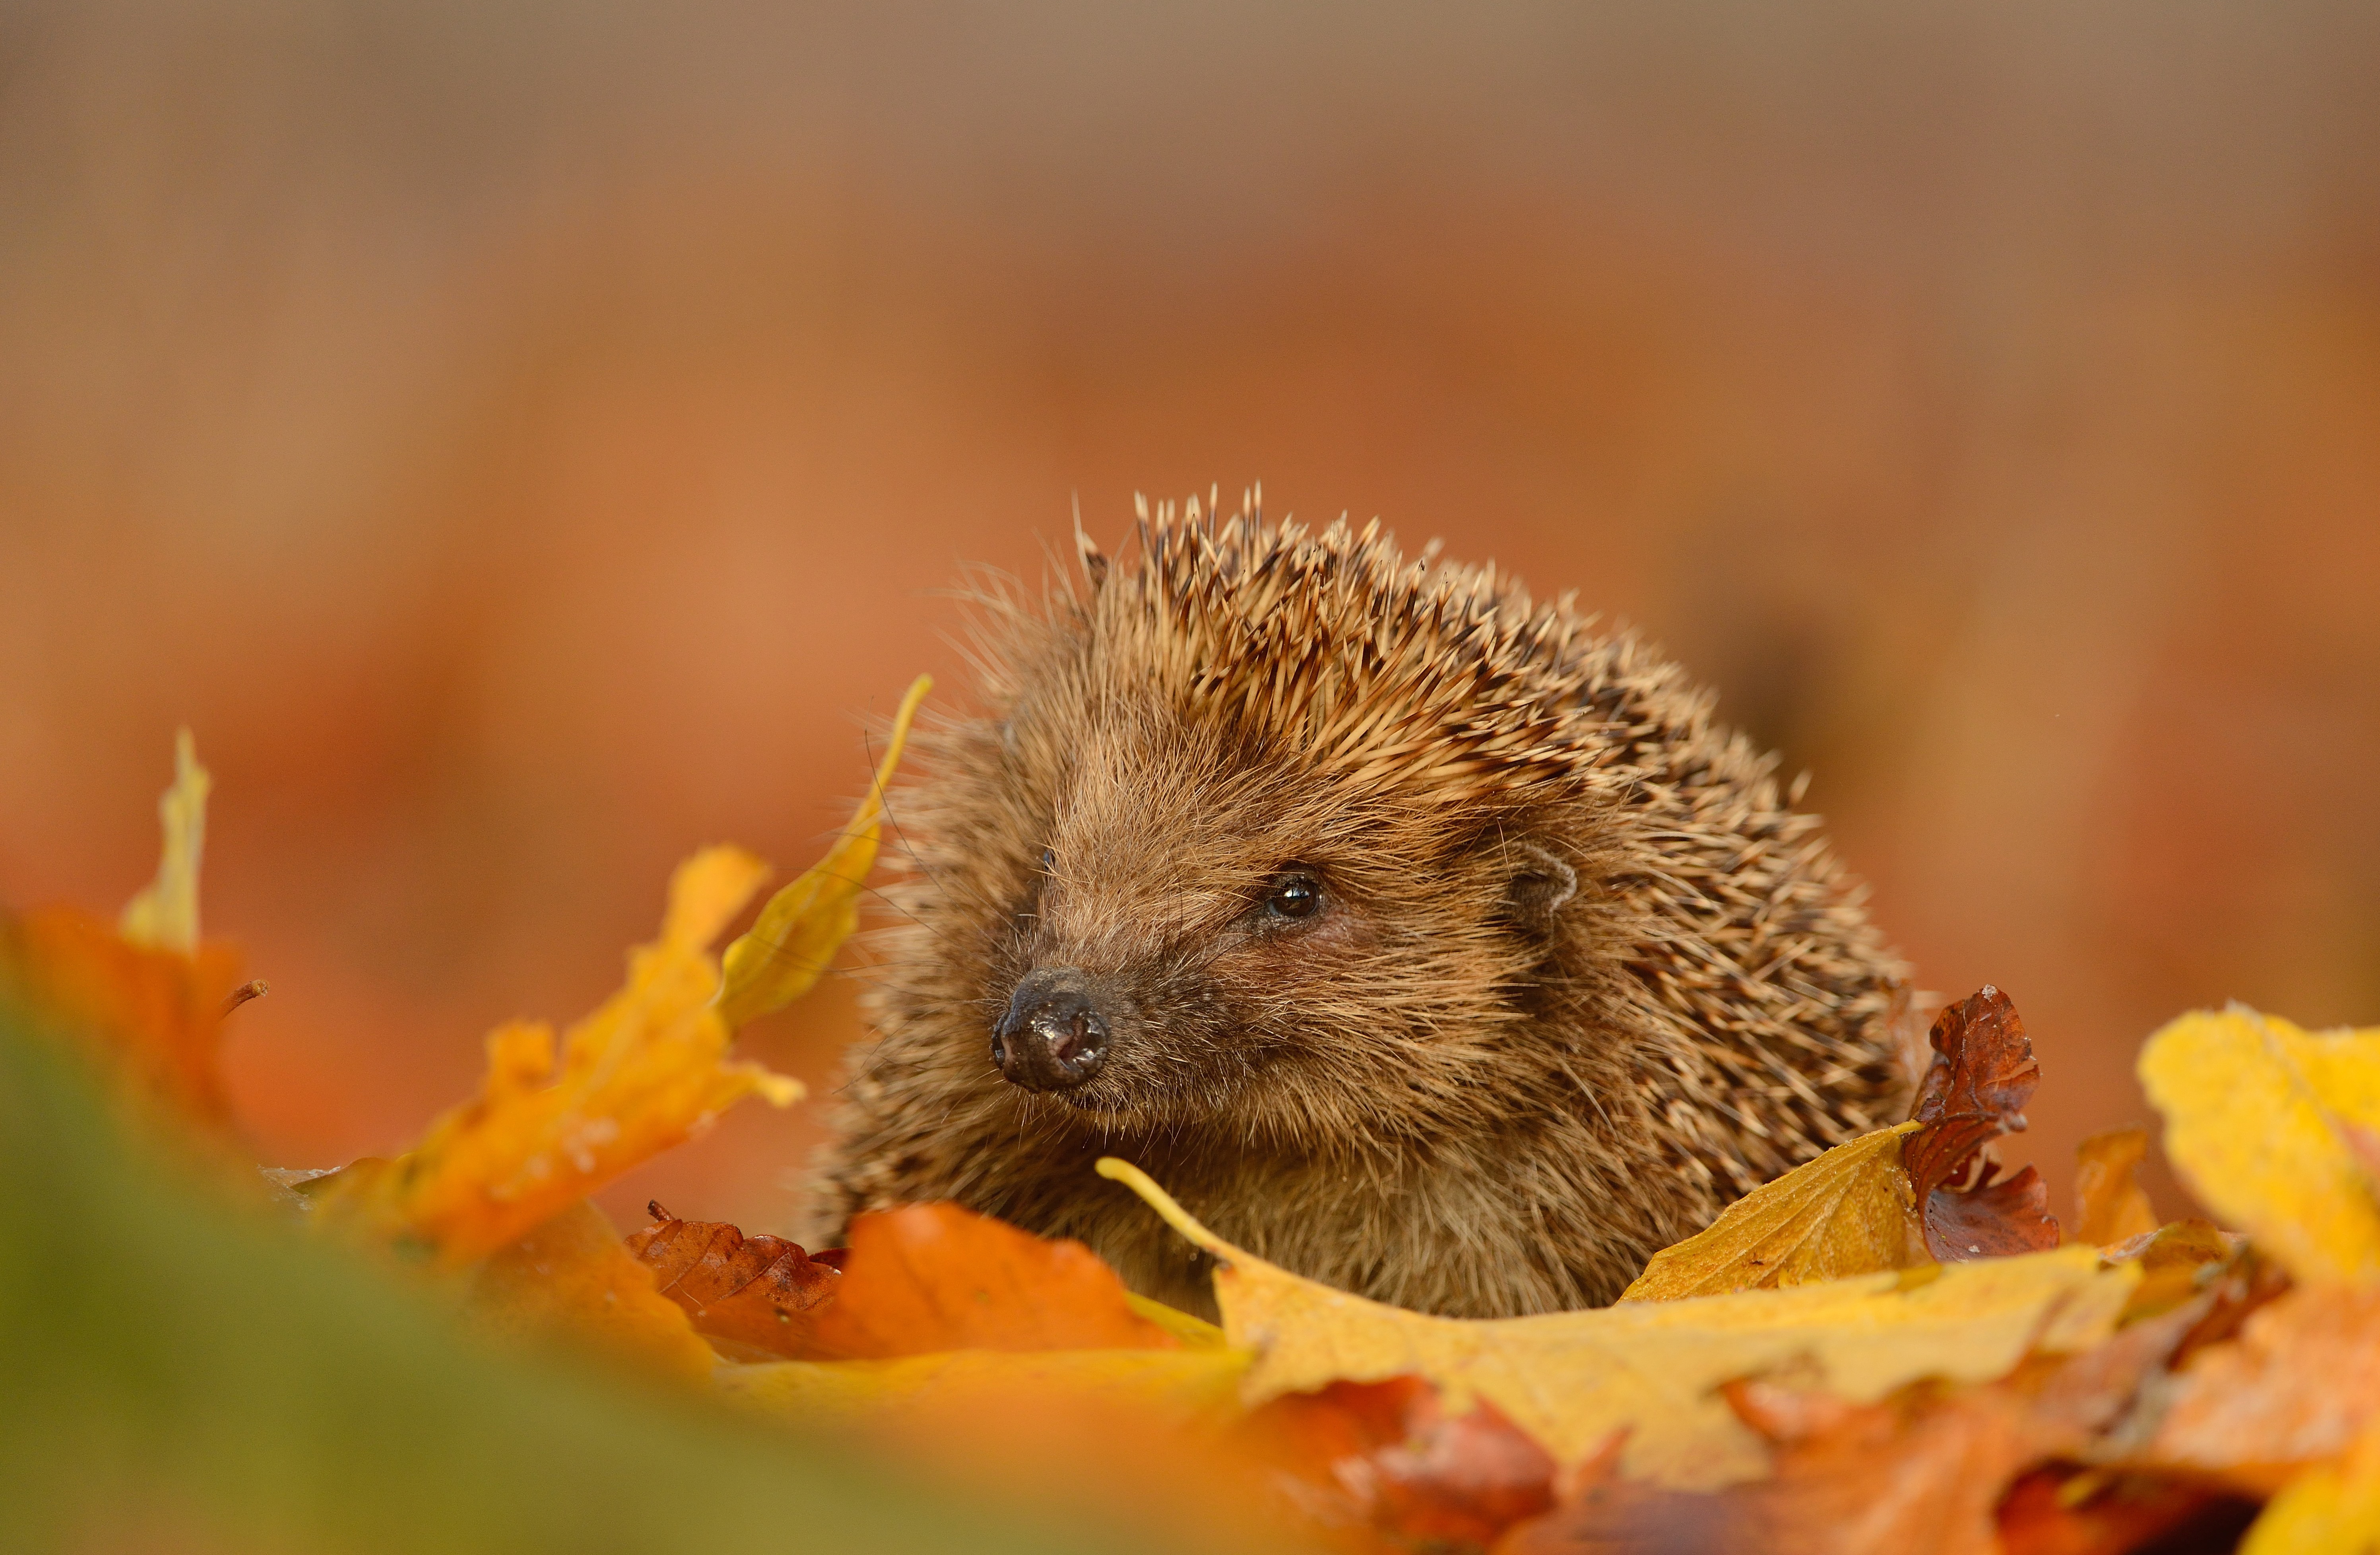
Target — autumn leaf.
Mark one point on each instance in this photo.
(572, 1278)
(150, 993)
(2332, 1509)
(751, 1296)
(2254, 1111)
(1572, 1380)
(1856, 1209)
(1843, 1214)
(1918, 1473)
(2062, 1510)
(933, 1277)
(648, 1069)
(787, 949)
(2109, 1207)
(1976, 1089)
(164, 916)
(2296, 1387)
(1383, 1465)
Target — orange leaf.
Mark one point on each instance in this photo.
(933, 1277)
(644, 1071)
(155, 1014)
(1919, 1473)
(752, 1296)
(572, 1278)
(2108, 1205)
(2296, 1387)
(1382, 1465)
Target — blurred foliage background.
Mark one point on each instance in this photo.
(527, 439)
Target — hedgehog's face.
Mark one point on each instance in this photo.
(1201, 936)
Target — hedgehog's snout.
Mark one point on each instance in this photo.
(1054, 1035)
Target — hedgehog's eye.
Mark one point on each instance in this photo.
(1048, 860)
(1294, 895)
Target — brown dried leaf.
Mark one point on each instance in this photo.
(2067, 1511)
(2109, 1207)
(1983, 1074)
(752, 1296)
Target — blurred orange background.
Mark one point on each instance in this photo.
(527, 442)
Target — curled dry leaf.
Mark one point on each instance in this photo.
(751, 1296)
(1381, 1465)
(788, 947)
(1572, 1380)
(647, 1070)
(1976, 1090)
(2255, 1113)
(2298, 1386)
(2109, 1207)
(571, 1278)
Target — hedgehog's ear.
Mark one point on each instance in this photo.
(1542, 883)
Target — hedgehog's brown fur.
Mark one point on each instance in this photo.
(1449, 1092)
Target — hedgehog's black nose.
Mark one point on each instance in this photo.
(1054, 1037)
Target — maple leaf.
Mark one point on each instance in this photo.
(1571, 1379)
(751, 1296)
(1890, 1198)
(2258, 1117)
(788, 947)
(648, 1069)
(2109, 1207)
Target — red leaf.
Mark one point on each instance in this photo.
(1976, 1090)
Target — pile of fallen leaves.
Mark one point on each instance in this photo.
(1893, 1348)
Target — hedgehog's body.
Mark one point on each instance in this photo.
(1417, 938)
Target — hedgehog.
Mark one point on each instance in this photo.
(1417, 936)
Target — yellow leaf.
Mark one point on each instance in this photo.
(786, 951)
(1193, 1381)
(164, 916)
(642, 1072)
(1572, 1380)
(2113, 1207)
(2331, 1510)
(2252, 1112)
(572, 1278)
(1845, 1213)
